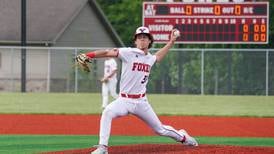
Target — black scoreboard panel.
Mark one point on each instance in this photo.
(223, 32)
(208, 22)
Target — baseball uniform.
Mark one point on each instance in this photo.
(110, 67)
(136, 66)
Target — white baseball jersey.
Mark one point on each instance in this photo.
(135, 70)
(110, 66)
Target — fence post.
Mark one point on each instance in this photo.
(12, 70)
(266, 72)
(76, 74)
(23, 43)
(202, 72)
(48, 74)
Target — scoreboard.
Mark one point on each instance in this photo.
(205, 23)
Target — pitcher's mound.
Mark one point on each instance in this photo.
(174, 149)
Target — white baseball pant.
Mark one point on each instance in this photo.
(138, 107)
(109, 87)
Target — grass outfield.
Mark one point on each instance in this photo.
(37, 143)
(163, 104)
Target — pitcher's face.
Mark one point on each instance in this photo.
(142, 41)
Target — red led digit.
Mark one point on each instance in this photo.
(263, 29)
(256, 28)
(256, 37)
(245, 28)
(245, 37)
(263, 38)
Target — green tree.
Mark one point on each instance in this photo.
(124, 15)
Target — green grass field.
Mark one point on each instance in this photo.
(85, 103)
(25, 144)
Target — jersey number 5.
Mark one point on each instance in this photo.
(144, 79)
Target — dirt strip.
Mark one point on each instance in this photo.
(130, 125)
(174, 149)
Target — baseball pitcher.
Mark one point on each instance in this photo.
(136, 65)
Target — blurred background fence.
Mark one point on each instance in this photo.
(183, 71)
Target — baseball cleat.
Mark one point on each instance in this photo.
(100, 150)
(188, 140)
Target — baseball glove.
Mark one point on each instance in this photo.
(82, 61)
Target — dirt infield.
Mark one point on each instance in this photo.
(89, 125)
(196, 126)
(175, 149)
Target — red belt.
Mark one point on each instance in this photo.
(135, 96)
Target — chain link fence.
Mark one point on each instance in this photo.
(183, 71)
